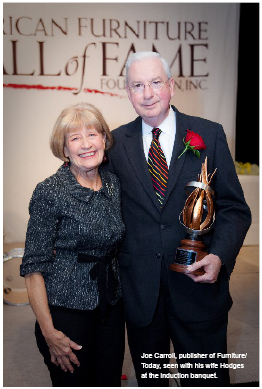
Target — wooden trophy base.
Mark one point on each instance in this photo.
(189, 252)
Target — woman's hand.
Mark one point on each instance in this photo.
(60, 347)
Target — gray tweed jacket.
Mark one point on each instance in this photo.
(71, 219)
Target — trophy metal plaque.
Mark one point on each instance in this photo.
(198, 218)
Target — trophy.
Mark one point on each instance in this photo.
(198, 219)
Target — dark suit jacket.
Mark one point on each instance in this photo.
(152, 233)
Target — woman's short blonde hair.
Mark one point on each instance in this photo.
(76, 116)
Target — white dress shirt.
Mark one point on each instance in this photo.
(166, 138)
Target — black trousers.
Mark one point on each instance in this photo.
(188, 338)
(102, 354)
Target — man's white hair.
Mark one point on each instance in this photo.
(140, 55)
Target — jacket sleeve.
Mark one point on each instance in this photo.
(233, 216)
(109, 165)
(41, 232)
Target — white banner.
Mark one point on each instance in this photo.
(57, 54)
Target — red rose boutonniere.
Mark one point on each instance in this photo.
(193, 142)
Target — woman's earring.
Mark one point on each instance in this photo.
(104, 158)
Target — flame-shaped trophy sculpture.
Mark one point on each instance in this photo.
(198, 219)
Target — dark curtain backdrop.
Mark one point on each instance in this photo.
(247, 118)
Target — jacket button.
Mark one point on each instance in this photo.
(158, 255)
(163, 227)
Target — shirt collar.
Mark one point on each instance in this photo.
(167, 126)
(79, 191)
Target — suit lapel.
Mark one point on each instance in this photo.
(176, 163)
(135, 152)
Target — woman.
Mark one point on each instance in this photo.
(70, 264)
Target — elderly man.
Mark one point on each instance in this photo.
(161, 304)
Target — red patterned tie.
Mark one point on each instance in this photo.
(157, 166)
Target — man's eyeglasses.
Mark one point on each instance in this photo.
(155, 85)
